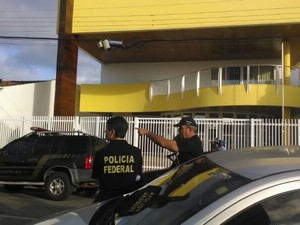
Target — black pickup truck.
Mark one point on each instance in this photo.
(60, 162)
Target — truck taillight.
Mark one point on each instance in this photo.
(88, 162)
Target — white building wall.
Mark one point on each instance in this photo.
(34, 99)
(144, 72)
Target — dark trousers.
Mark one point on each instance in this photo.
(105, 195)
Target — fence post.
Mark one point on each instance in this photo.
(135, 134)
(49, 123)
(252, 132)
(77, 123)
(97, 126)
(23, 125)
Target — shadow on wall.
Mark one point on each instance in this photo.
(43, 98)
(9, 135)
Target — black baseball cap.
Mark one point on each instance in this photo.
(189, 121)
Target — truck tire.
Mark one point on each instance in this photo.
(58, 186)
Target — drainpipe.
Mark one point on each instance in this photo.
(282, 93)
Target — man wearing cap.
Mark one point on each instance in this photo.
(186, 143)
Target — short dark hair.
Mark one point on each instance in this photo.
(119, 124)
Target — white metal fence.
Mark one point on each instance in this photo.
(236, 133)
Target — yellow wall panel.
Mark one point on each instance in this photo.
(134, 98)
(113, 98)
(110, 16)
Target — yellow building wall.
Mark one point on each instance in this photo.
(135, 98)
(113, 98)
(110, 16)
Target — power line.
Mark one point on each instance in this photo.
(87, 21)
(28, 38)
(150, 16)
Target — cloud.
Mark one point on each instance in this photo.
(23, 59)
(15, 67)
(27, 59)
(44, 56)
(28, 62)
(27, 5)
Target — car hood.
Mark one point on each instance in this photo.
(257, 162)
(79, 216)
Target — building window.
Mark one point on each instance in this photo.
(233, 75)
(199, 115)
(266, 74)
(260, 74)
(215, 74)
(241, 116)
(228, 115)
(213, 115)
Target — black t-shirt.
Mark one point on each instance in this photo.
(117, 166)
(189, 148)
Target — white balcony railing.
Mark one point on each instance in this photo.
(250, 74)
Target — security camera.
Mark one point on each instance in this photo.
(107, 43)
(116, 43)
(99, 44)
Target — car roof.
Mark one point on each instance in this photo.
(258, 162)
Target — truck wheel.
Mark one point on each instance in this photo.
(58, 186)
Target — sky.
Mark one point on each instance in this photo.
(26, 59)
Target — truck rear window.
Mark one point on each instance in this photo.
(76, 145)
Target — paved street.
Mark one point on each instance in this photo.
(30, 204)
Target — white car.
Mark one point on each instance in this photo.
(241, 186)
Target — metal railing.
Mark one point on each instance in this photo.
(236, 133)
(247, 74)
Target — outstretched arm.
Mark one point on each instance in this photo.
(171, 145)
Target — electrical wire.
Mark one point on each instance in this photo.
(164, 18)
(25, 21)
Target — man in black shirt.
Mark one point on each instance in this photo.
(186, 143)
(117, 166)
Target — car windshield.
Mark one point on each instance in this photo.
(175, 196)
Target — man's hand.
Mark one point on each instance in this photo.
(160, 140)
(142, 131)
